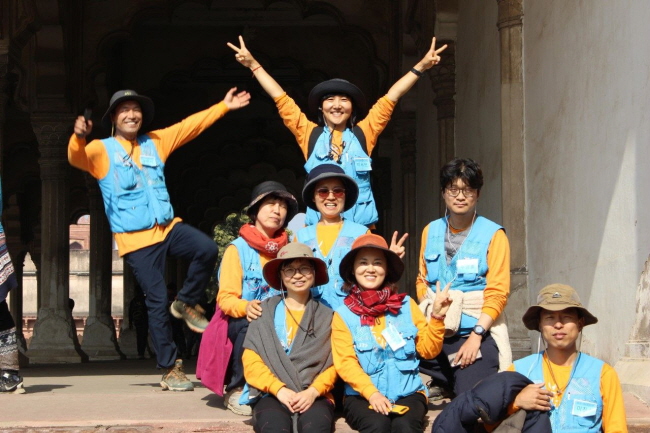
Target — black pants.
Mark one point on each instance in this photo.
(236, 334)
(148, 265)
(271, 416)
(454, 378)
(360, 417)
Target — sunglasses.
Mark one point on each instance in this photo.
(325, 192)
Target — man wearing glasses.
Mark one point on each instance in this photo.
(471, 254)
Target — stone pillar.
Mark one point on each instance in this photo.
(55, 338)
(100, 340)
(513, 175)
(405, 129)
(443, 78)
(634, 368)
(127, 340)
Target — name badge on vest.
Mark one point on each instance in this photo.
(583, 408)
(393, 337)
(362, 164)
(468, 268)
(148, 160)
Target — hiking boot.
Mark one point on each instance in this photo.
(231, 401)
(195, 320)
(436, 393)
(11, 383)
(174, 378)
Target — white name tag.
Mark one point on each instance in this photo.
(149, 161)
(362, 164)
(583, 408)
(393, 337)
(467, 266)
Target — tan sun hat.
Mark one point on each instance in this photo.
(556, 297)
(293, 251)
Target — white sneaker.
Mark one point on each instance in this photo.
(231, 401)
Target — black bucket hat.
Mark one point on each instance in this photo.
(146, 105)
(276, 188)
(329, 171)
(395, 266)
(289, 252)
(337, 86)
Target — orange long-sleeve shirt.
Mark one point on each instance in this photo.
(259, 375)
(94, 159)
(428, 344)
(497, 279)
(301, 127)
(614, 420)
(231, 279)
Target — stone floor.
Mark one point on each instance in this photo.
(124, 396)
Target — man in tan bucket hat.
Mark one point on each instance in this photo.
(580, 392)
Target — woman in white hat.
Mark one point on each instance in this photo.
(377, 336)
(287, 358)
(337, 137)
(582, 393)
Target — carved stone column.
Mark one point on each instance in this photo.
(513, 176)
(127, 340)
(636, 361)
(405, 129)
(55, 338)
(100, 340)
(443, 78)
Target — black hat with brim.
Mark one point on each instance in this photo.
(146, 105)
(337, 86)
(329, 171)
(271, 187)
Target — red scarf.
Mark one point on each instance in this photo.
(267, 246)
(373, 303)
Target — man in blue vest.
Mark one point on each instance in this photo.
(129, 167)
(580, 392)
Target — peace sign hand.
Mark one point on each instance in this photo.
(432, 57)
(443, 300)
(242, 55)
(398, 247)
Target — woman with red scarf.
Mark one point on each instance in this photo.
(242, 287)
(376, 338)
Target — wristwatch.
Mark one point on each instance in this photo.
(478, 330)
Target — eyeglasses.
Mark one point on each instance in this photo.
(304, 270)
(467, 192)
(338, 192)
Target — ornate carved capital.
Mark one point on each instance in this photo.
(511, 13)
(53, 132)
(443, 80)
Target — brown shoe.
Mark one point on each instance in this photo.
(174, 378)
(195, 320)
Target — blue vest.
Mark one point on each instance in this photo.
(253, 285)
(135, 198)
(475, 247)
(331, 294)
(357, 164)
(581, 408)
(394, 373)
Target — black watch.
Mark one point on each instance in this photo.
(478, 330)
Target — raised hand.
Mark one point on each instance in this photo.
(242, 55)
(236, 101)
(432, 57)
(443, 300)
(82, 127)
(398, 246)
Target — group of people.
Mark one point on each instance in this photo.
(306, 326)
